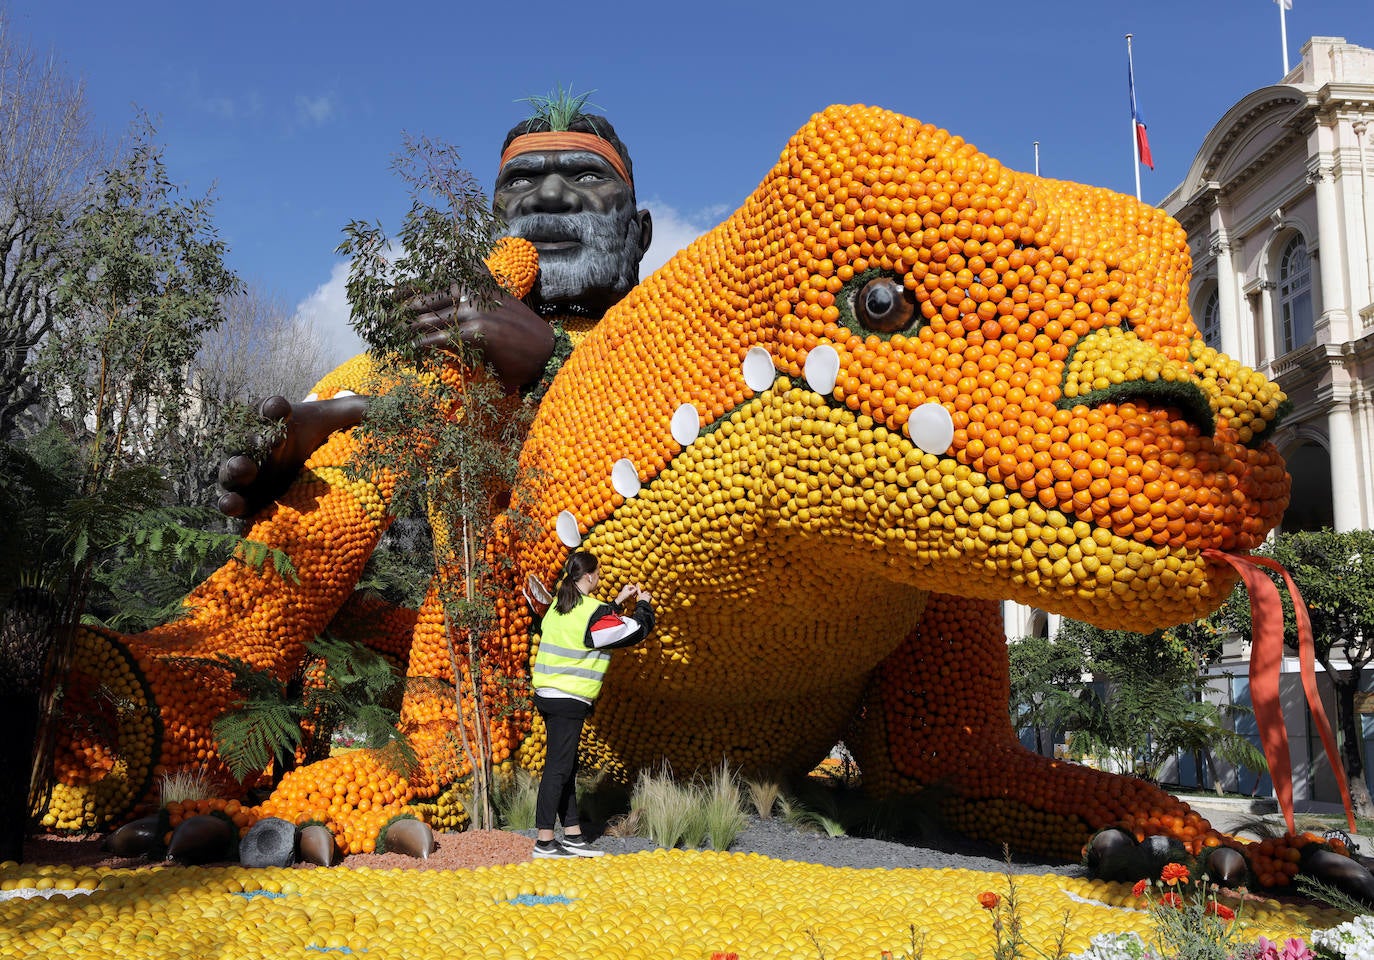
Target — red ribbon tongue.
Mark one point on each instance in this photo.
(1266, 663)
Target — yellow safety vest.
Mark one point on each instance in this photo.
(564, 661)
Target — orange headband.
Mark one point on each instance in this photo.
(566, 140)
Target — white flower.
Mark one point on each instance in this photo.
(1116, 946)
(1349, 941)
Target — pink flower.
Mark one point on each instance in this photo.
(1293, 949)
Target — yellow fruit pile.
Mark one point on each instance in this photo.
(98, 777)
(677, 904)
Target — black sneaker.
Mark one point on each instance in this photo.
(580, 847)
(552, 850)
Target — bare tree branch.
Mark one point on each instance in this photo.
(47, 160)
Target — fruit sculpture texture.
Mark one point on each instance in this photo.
(900, 384)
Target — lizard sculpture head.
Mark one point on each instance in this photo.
(965, 378)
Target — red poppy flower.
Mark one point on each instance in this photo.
(989, 900)
(1221, 910)
(1140, 887)
(1174, 873)
(1172, 900)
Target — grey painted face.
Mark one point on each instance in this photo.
(581, 217)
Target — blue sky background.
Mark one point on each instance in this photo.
(292, 110)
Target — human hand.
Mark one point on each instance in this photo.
(627, 591)
(505, 333)
(249, 486)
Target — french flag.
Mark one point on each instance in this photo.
(1142, 139)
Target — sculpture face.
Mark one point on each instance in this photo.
(581, 217)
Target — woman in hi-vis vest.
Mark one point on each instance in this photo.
(574, 650)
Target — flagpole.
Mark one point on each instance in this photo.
(1135, 144)
(1283, 31)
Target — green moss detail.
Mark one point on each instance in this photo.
(562, 350)
(1187, 397)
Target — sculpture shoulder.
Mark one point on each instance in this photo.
(358, 374)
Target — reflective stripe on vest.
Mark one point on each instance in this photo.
(564, 661)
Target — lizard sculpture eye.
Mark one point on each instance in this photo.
(884, 305)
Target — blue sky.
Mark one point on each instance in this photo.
(292, 110)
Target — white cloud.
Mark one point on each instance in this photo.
(326, 312)
(314, 110)
(674, 231)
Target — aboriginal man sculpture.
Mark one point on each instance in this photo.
(571, 193)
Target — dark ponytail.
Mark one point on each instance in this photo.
(578, 566)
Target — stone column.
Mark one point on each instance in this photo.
(1226, 297)
(1345, 477)
(1268, 347)
(1335, 317)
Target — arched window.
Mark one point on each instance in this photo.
(1210, 327)
(1295, 294)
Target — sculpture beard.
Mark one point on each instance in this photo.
(594, 273)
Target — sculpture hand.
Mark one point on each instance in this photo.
(249, 485)
(506, 335)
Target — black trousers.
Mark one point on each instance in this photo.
(557, 798)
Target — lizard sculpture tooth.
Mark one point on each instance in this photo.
(625, 478)
(758, 369)
(931, 428)
(822, 369)
(568, 533)
(686, 424)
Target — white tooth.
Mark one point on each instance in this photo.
(822, 369)
(535, 587)
(625, 478)
(758, 369)
(931, 427)
(686, 424)
(311, 397)
(567, 530)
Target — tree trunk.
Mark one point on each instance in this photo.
(1352, 759)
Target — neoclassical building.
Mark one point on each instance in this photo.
(1279, 208)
